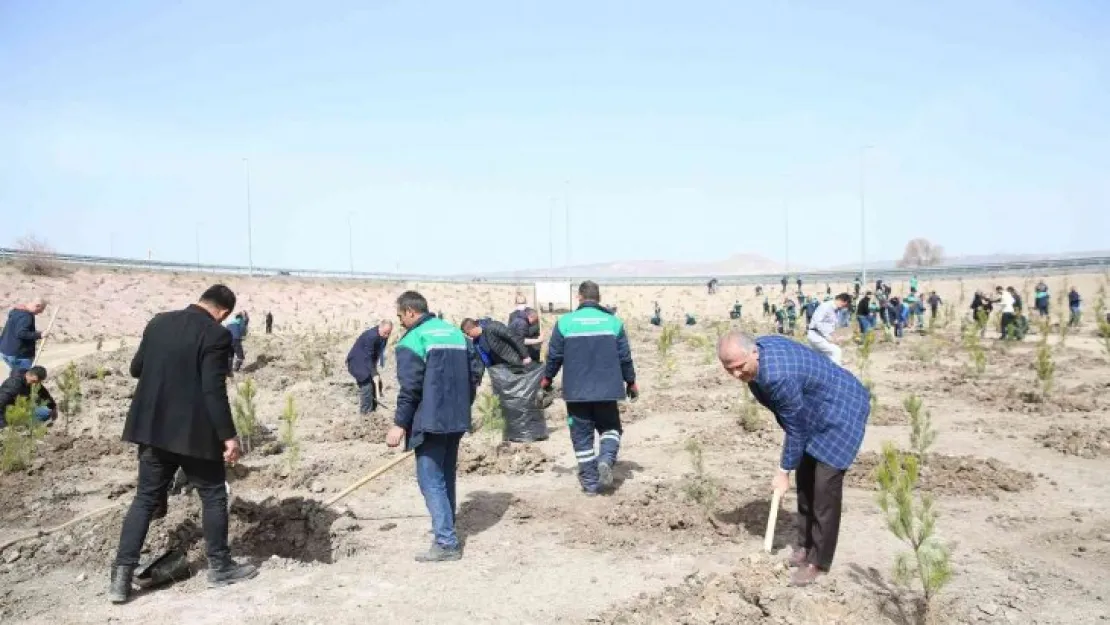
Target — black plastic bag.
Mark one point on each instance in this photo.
(518, 390)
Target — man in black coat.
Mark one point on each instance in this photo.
(366, 355)
(496, 343)
(526, 326)
(180, 418)
(20, 337)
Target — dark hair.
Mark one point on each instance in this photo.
(588, 291)
(467, 324)
(38, 371)
(844, 297)
(219, 296)
(411, 300)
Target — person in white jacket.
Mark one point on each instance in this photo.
(823, 324)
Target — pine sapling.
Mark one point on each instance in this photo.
(289, 442)
(974, 347)
(1046, 367)
(70, 385)
(873, 397)
(913, 521)
(244, 414)
(491, 419)
(866, 347)
(21, 435)
(701, 488)
(750, 419)
(922, 434)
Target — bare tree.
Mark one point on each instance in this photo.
(922, 253)
(36, 257)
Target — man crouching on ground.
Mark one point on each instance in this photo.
(823, 409)
(437, 383)
(598, 373)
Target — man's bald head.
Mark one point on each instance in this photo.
(739, 355)
(37, 305)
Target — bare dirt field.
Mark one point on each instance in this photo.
(1019, 480)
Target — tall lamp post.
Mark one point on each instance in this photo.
(250, 242)
(863, 216)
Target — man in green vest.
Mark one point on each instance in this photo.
(591, 347)
(438, 376)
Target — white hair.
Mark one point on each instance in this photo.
(735, 338)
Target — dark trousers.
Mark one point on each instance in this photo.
(237, 355)
(1008, 327)
(587, 419)
(269, 328)
(437, 459)
(820, 492)
(156, 471)
(367, 397)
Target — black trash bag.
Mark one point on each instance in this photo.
(518, 390)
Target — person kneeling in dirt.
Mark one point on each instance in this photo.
(823, 409)
(363, 361)
(598, 373)
(438, 375)
(735, 312)
(21, 383)
(180, 418)
(496, 343)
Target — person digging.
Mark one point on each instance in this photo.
(823, 410)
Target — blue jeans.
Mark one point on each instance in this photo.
(16, 362)
(865, 324)
(587, 419)
(42, 413)
(436, 460)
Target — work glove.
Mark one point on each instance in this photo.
(632, 391)
(545, 398)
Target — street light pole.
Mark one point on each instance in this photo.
(351, 244)
(566, 208)
(862, 218)
(250, 242)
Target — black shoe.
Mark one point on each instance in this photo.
(230, 572)
(119, 591)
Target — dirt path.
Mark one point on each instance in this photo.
(57, 355)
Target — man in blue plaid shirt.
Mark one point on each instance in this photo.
(823, 409)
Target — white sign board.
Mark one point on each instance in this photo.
(554, 295)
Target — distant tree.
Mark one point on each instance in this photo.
(36, 257)
(922, 253)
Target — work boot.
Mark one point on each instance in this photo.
(230, 572)
(119, 590)
(605, 474)
(805, 575)
(439, 553)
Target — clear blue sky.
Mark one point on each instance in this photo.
(446, 128)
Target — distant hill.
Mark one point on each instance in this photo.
(737, 264)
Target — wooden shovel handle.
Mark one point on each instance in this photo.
(772, 517)
(380, 470)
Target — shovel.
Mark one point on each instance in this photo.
(772, 518)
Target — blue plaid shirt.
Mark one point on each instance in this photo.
(820, 405)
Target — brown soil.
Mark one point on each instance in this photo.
(1089, 442)
(968, 476)
(505, 458)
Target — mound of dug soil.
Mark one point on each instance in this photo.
(296, 528)
(64, 468)
(967, 476)
(1085, 442)
(502, 459)
(888, 415)
(757, 592)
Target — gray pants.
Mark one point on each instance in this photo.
(824, 346)
(367, 397)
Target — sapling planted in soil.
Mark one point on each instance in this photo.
(974, 347)
(491, 418)
(922, 434)
(289, 442)
(245, 415)
(1046, 367)
(700, 488)
(20, 437)
(866, 347)
(750, 419)
(912, 520)
(70, 385)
